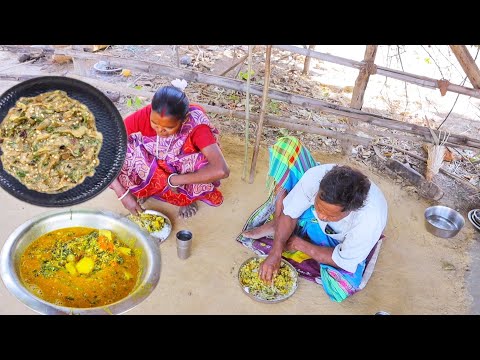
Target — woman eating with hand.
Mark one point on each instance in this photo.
(173, 155)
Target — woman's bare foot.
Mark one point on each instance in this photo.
(266, 229)
(188, 211)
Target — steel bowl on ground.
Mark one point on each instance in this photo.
(278, 299)
(443, 221)
(105, 67)
(129, 233)
(476, 215)
(473, 220)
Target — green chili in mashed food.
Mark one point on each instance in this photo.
(284, 283)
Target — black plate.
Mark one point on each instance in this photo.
(108, 121)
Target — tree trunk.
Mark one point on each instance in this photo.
(306, 64)
(363, 76)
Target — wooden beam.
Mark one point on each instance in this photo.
(266, 84)
(356, 115)
(468, 64)
(363, 76)
(394, 74)
(293, 124)
(303, 101)
(235, 64)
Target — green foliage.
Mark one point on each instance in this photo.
(274, 107)
(244, 74)
(135, 103)
(234, 97)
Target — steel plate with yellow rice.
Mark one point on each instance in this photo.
(154, 222)
(284, 283)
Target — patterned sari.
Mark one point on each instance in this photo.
(289, 160)
(151, 159)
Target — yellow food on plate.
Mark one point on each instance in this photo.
(149, 222)
(284, 283)
(152, 221)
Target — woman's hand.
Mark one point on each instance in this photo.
(130, 203)
(269, 268)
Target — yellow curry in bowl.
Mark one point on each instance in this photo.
(79, 267)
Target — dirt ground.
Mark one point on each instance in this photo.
(416, 273)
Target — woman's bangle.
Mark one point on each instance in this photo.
(169, 183)
(126, 192)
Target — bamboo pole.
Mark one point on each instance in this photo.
(395, 74)
(292, 124)
(271, 120)
(304, 101)
(266, 83)
(247, 112)
(281, 122)
(287, 124)
(238, 62)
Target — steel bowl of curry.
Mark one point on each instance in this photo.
(80, 261)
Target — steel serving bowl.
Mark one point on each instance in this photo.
(443, 221)
(279, 298)
(128, 232)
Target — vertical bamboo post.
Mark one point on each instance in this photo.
(266, 84)
(247, 112)
(306, 64)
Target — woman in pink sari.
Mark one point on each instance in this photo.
(173, 155)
